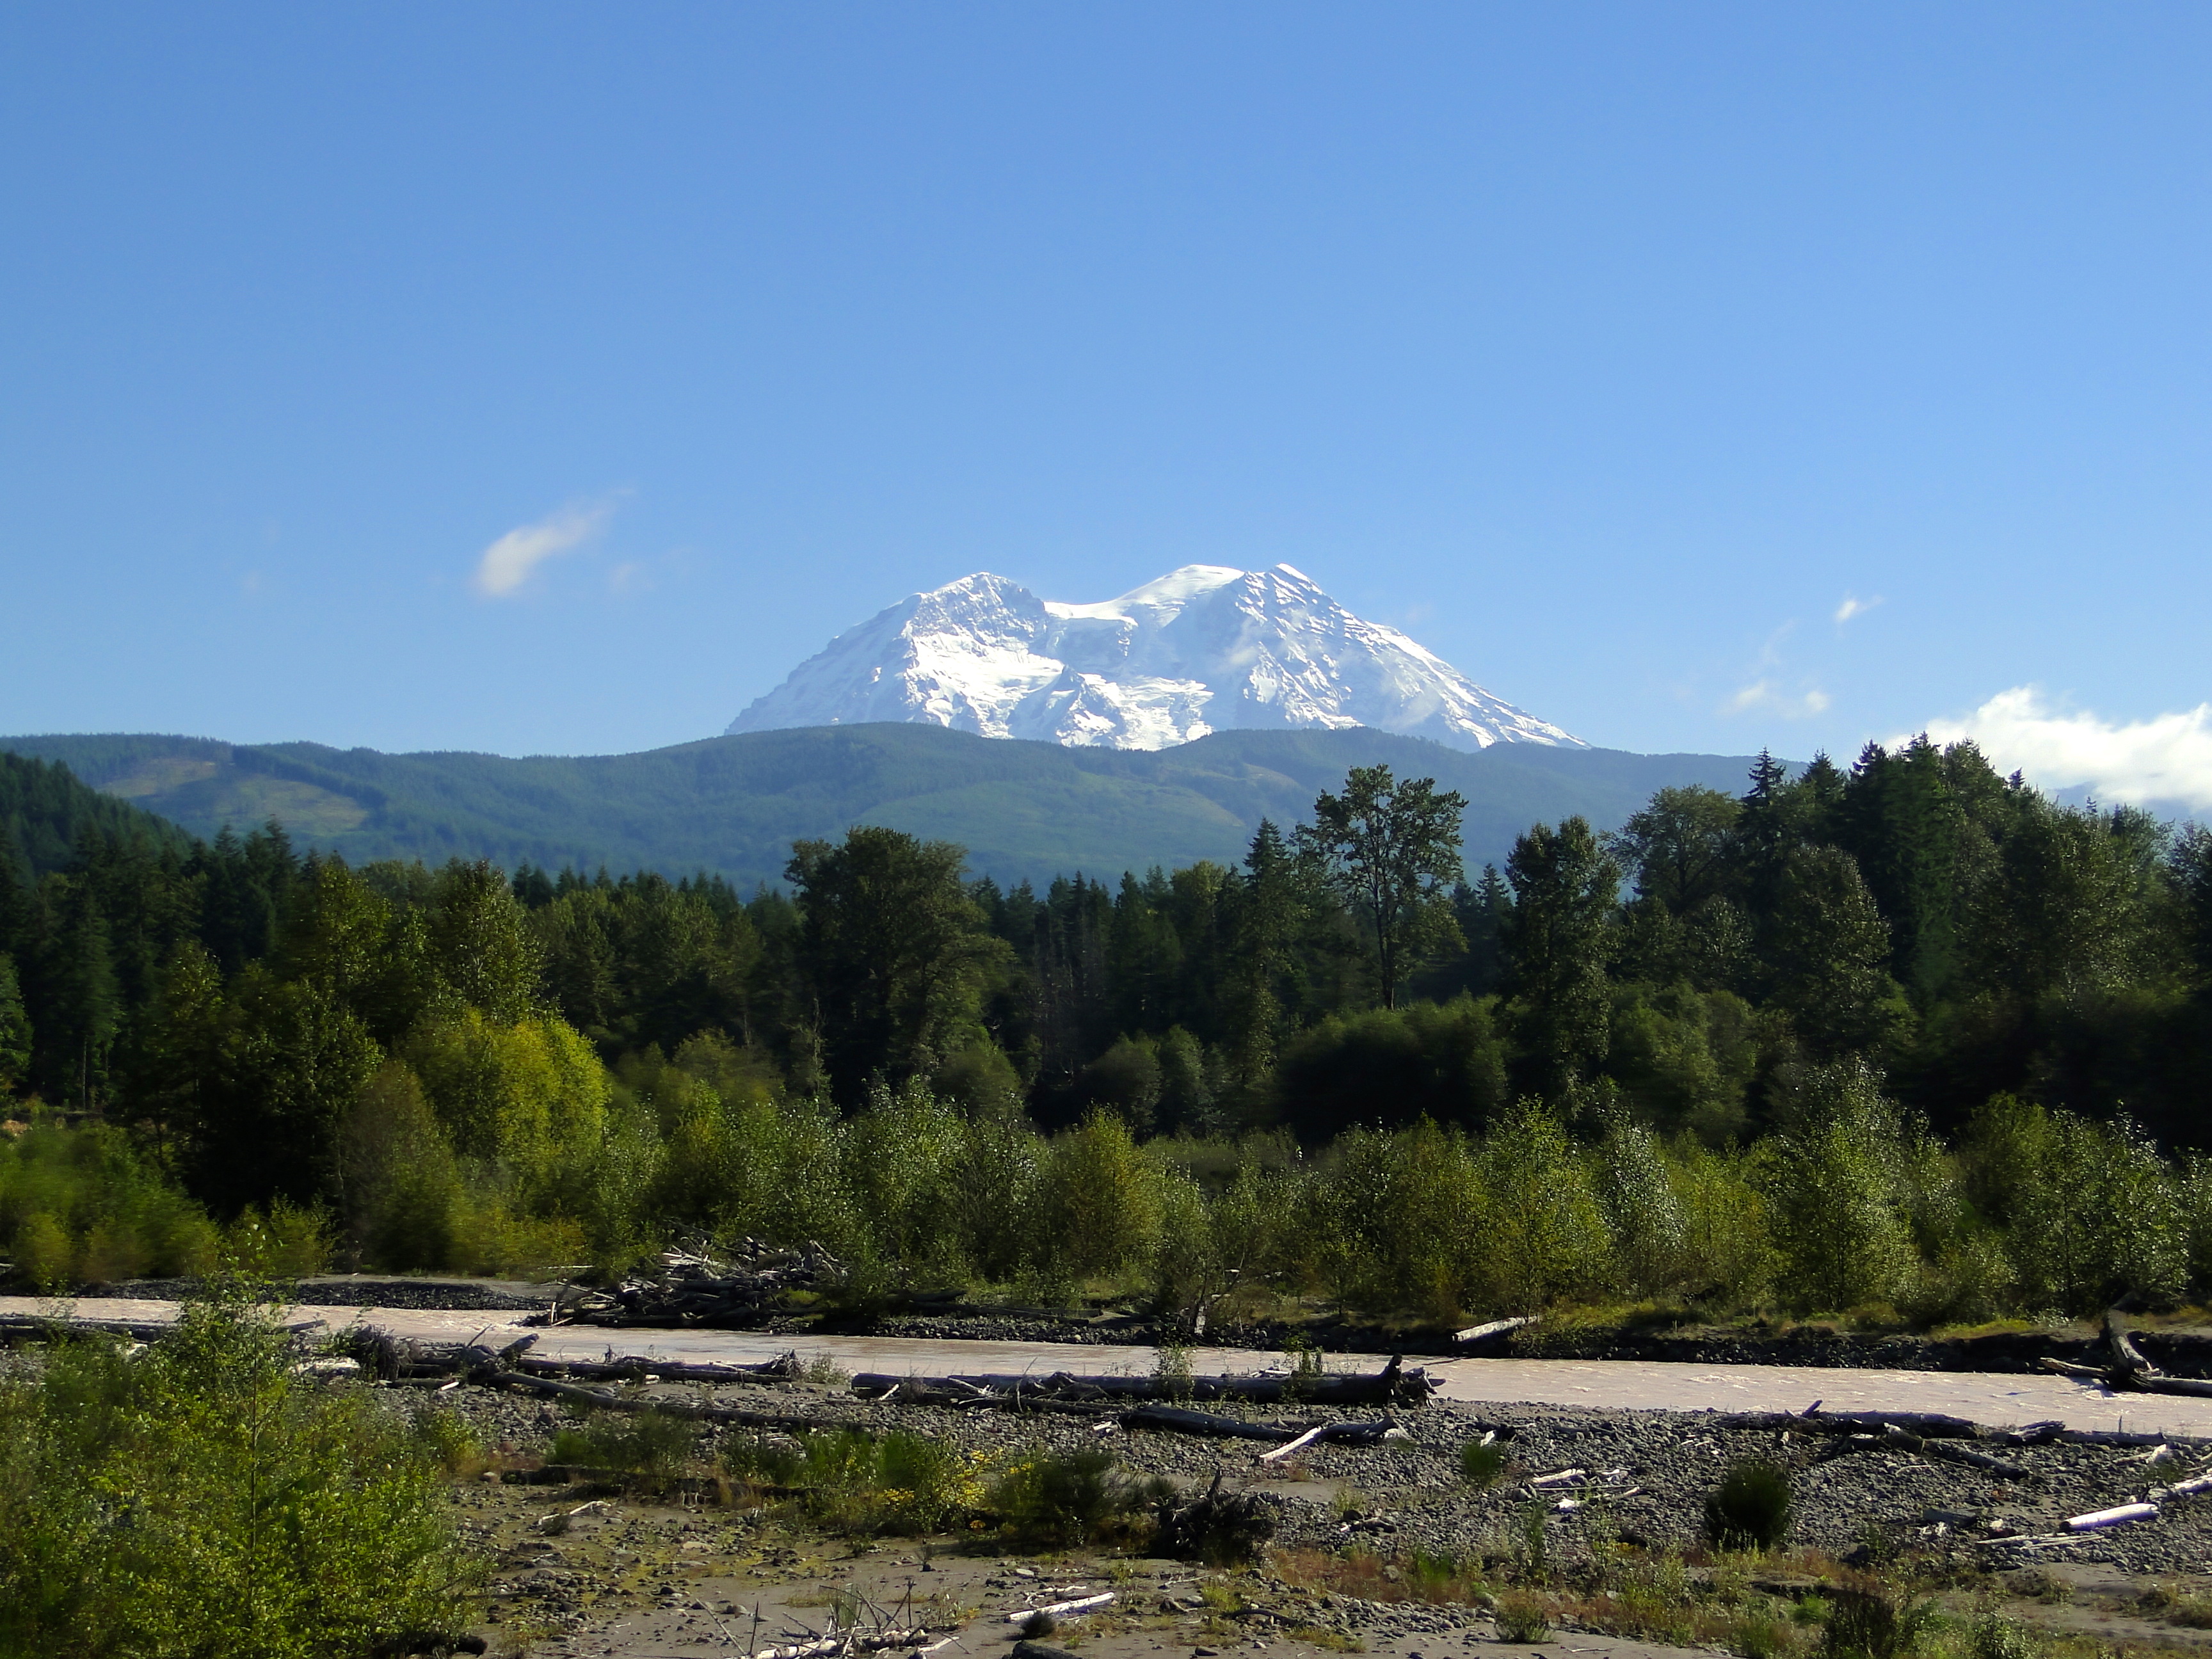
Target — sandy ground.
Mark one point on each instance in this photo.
(1998, 1398)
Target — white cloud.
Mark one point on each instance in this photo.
(1765, 694)
(508, 562)
(1853, 605)
(2168, 758)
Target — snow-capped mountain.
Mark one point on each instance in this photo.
(1205, 648)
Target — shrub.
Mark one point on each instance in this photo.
(84, 1203)
(1750, 1509)
(1870, 1625)
(266, 1513)
(923, 1482)
(447, 1439)
(1992, 1638)
(760, 1461)
(1060, 1500)
(651, 1447)
(902, 1483)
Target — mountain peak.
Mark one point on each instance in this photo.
(1206, 648)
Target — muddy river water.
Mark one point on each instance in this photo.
(1995, 1398)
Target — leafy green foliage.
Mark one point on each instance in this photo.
(1876, 1625)
(1054, 1499)
(199, 1498)
(1747, 1082)
(653, 1449)
(1390, 852)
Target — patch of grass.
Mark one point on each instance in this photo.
(849, 1479)
(1763, 1636)
(1751, 1509)
(823, 1369)
(1172, 1370)
(650, 1449)
(1522, 1618)
(1481, 1463)
(759, 1460)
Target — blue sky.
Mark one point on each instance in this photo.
(1696, 377)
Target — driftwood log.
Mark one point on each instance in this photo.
(1896, 1439)
(1491, 1329)
(1394, 1385)
(2126, 1370)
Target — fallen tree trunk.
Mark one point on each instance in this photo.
(1896, 1439)
(1489, 1328)
(632, 1368)
(1392, 1385)
(1926, 1424)
(1175, 1420)
(697, 1412)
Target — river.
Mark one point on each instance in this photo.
(1998, 1398)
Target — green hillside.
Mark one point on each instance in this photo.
(43, 809)
(734, 805)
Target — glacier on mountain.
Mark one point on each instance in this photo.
(1205, 648)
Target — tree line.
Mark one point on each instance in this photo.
(1217, 1067)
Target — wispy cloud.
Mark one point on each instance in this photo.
(1853, 605)
(1765, 693)
(508, 562)
(2168, 758)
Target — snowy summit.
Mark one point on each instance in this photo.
(1205, 648)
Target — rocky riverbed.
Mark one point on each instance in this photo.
(1388, 1548)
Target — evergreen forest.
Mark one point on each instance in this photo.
(1907, 1040)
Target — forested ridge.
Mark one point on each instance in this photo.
(1906, 1036)
(732, 805)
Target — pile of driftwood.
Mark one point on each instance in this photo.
(1394, 1385)
(693, 1288)
(2128, 1369)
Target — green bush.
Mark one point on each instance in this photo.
(446, 1438)
(84, 1204)
(1751, 1509)
(1049, 1499)
(653, 1448)
(1873, 1624)
(903, 1483)
(920, 1481)
(200, 1497)
(760, 1461)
